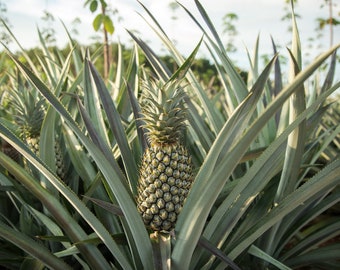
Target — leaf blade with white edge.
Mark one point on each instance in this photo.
(116, 127)
(327, 178)
(32, 247)
(255, 251)
(205, 190)
(123, 197)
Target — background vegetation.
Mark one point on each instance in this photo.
(264, 143)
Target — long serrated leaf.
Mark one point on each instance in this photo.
(131, 75)
(198, 124)
(160, 68)
(117, 128)
(296, 45)
(76, 54)
(324, 231)
(32, 247)
(322, 255)
(187, 232)
(213, 115)
(119, 71)
(325, 179)
(295, 142)
(303, 216)
(330, 74)
(137, 116)
(258, 169)
(114, 181)
(47, 133)
(97, 140)
(57, 232)
(255, 251)
(84, 167)
(227, 216)
(238, 86)
(183, 69)
(254, 63)
(153, 19)
(205, 190)
(92, 103)
(47, 144)
(114, 209)
(80, 160)
(280, 140)
(229, 95)
(49, 66)
(71, 227)
(218, 253)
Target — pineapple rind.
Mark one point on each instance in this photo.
(34, 144)
(165, 181)
(59, 160)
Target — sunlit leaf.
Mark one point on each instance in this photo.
(108, 24)
(97, 22)
(93, 5)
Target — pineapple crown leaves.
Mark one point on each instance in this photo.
(29, 110)
(163, 112)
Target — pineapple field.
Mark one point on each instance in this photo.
(146, 168)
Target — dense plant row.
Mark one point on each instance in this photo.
(265, 153)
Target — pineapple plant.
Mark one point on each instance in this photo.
(29, 113)
(166, 169)
(231, 216)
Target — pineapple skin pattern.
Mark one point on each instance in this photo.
(166, 173)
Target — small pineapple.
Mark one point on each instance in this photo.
(29, 113)
(166, 169)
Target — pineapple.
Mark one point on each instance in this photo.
(166, 170)
(29, 113)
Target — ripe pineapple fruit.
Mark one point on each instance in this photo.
(166, 169)
(29, 113)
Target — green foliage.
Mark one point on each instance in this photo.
(4, 36)
(229, 28)
(104, 20)
(101, 19)
(265, 149)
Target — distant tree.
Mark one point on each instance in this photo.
(173, 7)
(74, 24)
(104, 22)
(288, 13)
(229, 28)
(330, 20)
(4, 36)
(48, 32)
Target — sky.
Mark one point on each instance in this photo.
(260, 17)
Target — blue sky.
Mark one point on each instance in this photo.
(255, 17)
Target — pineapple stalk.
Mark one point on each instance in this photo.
(161, 244)
(166, 169)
